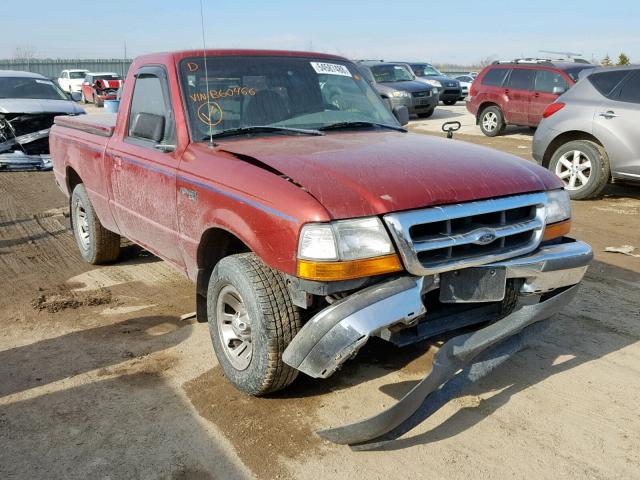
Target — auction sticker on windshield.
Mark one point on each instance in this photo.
(330, 68)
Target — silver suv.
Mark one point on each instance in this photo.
(589, 135)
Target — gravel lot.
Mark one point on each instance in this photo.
(101, 379)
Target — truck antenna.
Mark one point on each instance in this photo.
(206, 72)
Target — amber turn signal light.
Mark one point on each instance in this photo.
(331, 271)
(556, 230)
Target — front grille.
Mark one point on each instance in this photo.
(426, 93)
(452, 91)
(438, 239)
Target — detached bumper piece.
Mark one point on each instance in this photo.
(24, 141)
(550, 276)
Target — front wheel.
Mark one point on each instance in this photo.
(96, 244)
(251, 322)
(584, 168)
(492, 121)
(97, 102)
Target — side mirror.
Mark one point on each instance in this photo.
(148, 126)
(402, 114)
(558, 90)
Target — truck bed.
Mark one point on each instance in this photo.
(102, 124)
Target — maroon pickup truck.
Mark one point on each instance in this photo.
(310, 220)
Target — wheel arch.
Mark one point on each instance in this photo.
(72, 179)
(567, 137)
(215, 244)
(485, 105)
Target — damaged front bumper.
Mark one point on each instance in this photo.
(22, 161)
(549, 276)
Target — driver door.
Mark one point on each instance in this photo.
(144, 163)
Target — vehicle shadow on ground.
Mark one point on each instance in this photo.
(130, 426)
(54, 359)
(621, 191)
(579, 337)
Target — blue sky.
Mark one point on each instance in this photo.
(446, 31)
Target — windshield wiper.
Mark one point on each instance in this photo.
(347, 125)
(230, 132)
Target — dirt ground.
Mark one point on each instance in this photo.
(99, 377)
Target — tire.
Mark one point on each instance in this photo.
(426, 114)
(491, 121)
(449, 102)
(83, 99)
(97, 102)
(250, 312)
(584, 168)
(97, 245)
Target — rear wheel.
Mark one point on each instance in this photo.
(251, 322)
(96, 244)
(492, 121)
(583, 166)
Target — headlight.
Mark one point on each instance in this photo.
(435, 83)
(346, 249)
(399, 93)
(558, 206)
(558, 214)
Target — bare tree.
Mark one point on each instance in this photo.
(487, 61)
(24, 52)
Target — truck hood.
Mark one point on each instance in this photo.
(34, 105)
(371, 173)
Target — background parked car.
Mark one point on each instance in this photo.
(589, 136)
(71, 80)
(397, 86)
(98, 87)
(465, 83)
(28, 104)
(448, 88)
(516, 93)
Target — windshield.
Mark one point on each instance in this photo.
(76, 75)
(391, 73)
(290, 92)
(29, 87)
(424, 69)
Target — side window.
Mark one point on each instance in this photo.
(521, 79)
(630, 89)
(605, 82)
(495, 77)
(546, 81)
(149, 117)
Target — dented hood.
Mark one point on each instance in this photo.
(371, 173)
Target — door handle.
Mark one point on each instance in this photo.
(608, 114)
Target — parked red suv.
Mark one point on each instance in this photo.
(517, 92)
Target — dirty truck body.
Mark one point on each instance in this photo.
(310, 224)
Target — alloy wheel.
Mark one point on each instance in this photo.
(234, 327)
(574, 169)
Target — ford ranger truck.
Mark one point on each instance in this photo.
(310, 220)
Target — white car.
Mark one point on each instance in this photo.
(71, 80)
(465, 83)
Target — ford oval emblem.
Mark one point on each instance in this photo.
(486, 237)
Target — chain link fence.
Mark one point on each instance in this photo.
(52, 67)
